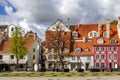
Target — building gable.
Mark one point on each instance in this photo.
(57, 26)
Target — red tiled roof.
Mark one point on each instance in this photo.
(84, 29)
(5, 45)
(83, 46)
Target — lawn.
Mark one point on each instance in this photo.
(56, 74)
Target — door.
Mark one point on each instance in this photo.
(110, 65)
(87, 66)
(72, 66)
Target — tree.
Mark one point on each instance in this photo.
(114, 22)
(17, 47)
(59, 40)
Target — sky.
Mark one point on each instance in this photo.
(37, 15)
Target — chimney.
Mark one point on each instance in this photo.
(35, 36)
(84, 39)
(68, 22)
(108, 28)
(99, 27)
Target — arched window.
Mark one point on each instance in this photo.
(100, 41)
(113, 41)
(78, 49)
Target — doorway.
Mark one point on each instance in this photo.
(110, 65)
(87, 66)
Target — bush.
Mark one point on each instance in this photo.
(80, 70)
(95, 70)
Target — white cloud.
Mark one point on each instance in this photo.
(36, 15)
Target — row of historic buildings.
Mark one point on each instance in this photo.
(83, 45)
(8, 60)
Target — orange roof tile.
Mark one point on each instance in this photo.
(83, 46)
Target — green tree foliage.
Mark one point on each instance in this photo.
(114, 22)
(17, 47)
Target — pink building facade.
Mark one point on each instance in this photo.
(106, 56)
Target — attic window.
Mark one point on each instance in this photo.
(74, 34)
(113, 41)
(12, 29)
(91, 34)
(86, 49)
(78, 49)
(100, 41)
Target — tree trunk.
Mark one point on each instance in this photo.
(17, 64)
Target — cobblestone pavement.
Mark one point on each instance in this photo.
(63, 78)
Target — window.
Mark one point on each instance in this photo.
(95, 34)
(102, 65)
(74, 34)
(97, 48)
(97, 65)
(88, 58)
(12, 29)
(91, 34)
(33, 49)
(12, 56)
(73, 57)
(113, 41)
(115, 56)
(55, 50)
(78, 49)
(1, 57)
(102, 56)
(33, 56)
(102, 48)
(86, 49)
(109, 48)
(49, 50)
(115, 48)
(104, 34)
(49, 57)
(109, 56)
(55, 56)
(100, 41)
(97, 56)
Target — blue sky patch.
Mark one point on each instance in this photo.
(2, 11)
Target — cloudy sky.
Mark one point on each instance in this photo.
(37, 15)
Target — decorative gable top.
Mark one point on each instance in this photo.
(58, 26)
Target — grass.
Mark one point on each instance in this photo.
(57, 74)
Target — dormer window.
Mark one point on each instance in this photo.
(86, 49)
(75, 34)
(95, 34)
(100, 41)
(113, 41)
(104, 34)
(78, 49)
(91, 34)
